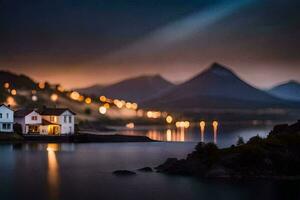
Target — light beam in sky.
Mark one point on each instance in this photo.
(180, 30)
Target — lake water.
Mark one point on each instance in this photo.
(83, 171)
(222, 135)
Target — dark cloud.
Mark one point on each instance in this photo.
(177, 38)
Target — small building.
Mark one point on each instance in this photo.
(57, 121)
(48, 121)
(30, 121)
(6, 119)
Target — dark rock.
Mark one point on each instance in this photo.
(146, 169)
(217, 172)
(258, 158)
(167, 164)
(124, 173)
(279, 129)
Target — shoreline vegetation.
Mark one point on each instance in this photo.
(275, 157)
(76, 138)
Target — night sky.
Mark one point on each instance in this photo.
(79, 43)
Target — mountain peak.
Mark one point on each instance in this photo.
(218, 67)
(219, 70)
(292, 82)
(289, 90)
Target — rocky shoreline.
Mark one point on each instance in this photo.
(274, 157)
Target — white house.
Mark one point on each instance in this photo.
(49, 121)
(30, 120)
(6, 119)
(57, 121)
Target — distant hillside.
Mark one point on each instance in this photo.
(16, 81)
(216, 87)
(134, 89)
(289, 90)
(92, 90)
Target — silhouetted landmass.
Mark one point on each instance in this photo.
(77, 138)
(216, 88)
(277, 156)
(94, 90)
(124, 173)
(289, 90)
(134, 89)
(145, 169)
(16, 81)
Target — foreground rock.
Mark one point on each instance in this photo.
(124, 173)
(277, 156)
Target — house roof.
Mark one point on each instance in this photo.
(55, 111)
(23, 112)
(6, 106)
(46, 122)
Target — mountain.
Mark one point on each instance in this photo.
(92, 90)
(135, 89)
(216, 87)
(16, 81)
(289, 91)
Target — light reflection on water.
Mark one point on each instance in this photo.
(215, 132)
(53, 171)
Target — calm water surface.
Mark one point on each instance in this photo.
(83, 171)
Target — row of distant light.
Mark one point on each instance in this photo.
(12, 91)
(103, 109)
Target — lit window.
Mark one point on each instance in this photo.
(53, 118)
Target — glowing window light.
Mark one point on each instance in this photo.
(34, 98)
(41, 85)
(13, 92)
(202, 128)
(149, 114)
(11, 101)
(134, 106)
(215, 123)
(182, 124)
(102, 110)
(60, 88)
(6, 85)
(103, 98)
(140, 113)
(186, 124)
(81, 98)
(118, 103)
(215, 127)
(106, 105)
(54, 97)
(123, 102)
(33, 91)
(75, 95)
(88, 100)
(202, 124)
(128, 105)
(130, 125)
(169, 119)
